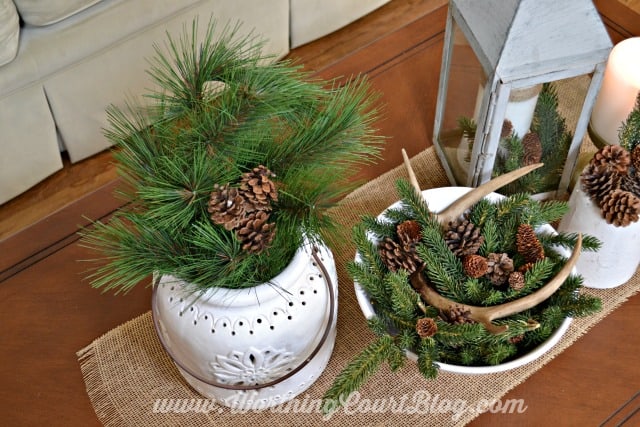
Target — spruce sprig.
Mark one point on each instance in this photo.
(361, 368)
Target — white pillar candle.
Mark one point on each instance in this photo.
(619, 89)
(520, 109)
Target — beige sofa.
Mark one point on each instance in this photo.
(62, 62)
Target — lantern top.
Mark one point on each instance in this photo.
(523, 38)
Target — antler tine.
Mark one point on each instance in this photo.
(458, 207)
(485, 315)
(412, 176)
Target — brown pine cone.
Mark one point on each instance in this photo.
(527, 243)
(475, 265)
(635, 158)
(255, 233)
(507, 129)
(516, 339)
(409, 232)
(613, 156)
(226, 206)
(598, 181)
(500, 266)
(532, 149)
(426, 327)
(525, 267)
(631, 183)
(463, 238)
(397, 257)
(458, 315)
(258, 188)
(620, 208)
(516, 280)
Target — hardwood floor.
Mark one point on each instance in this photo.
(76, 180)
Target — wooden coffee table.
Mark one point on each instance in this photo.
(49, 311)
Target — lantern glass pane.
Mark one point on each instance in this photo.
(539, 125)
(461, 107)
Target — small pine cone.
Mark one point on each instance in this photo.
(525, 267)
(500, 267)
(475, 265)
(458, 315)
(507, 129)
(258, 188)
(598, 181)
(397, 257)
(409, 232)
(255, 233)
(532, 149)
(516, 280)
(620, 208)
(463, 238)
(527, 243)
(631, 183)
(226, 206)
(613, 156)
(426, 327)
(516, 339)
(635, 158)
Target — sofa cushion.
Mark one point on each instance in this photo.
(312, 19)
(9, 31)
(38, 12)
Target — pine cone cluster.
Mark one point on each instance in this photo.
(612, 181)
(500, 266)
(528, 245)
(620, 208)
(532, 149)
(426, 327)
(402, 255)
(463, 237)
(246, 209)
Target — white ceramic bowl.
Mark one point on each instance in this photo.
(438, 199)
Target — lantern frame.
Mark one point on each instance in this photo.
(576, 56)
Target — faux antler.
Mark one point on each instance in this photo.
(485, 315)
(457, 208)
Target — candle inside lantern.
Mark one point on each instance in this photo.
(521, 107)
(618, 93)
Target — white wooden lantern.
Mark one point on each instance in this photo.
(504, 62)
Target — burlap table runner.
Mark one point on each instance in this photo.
(129, 377)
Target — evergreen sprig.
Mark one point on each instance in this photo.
(222, 108)
(629, 133)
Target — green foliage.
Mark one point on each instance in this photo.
(555, 139)
(398, 307)
(220, 110)
(629, 133)
(359, 370)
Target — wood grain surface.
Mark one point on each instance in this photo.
(49, 312)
